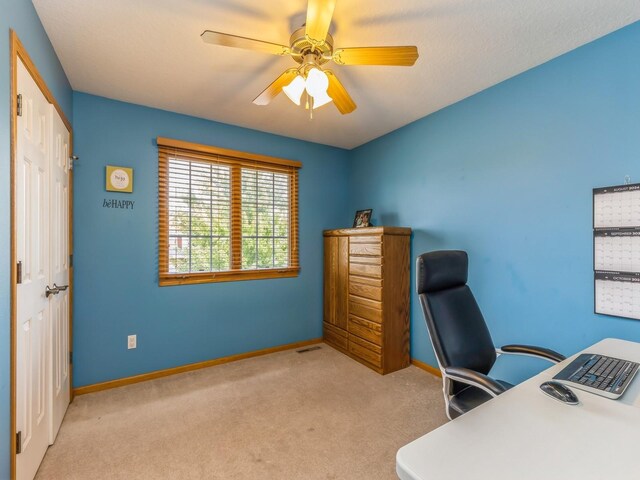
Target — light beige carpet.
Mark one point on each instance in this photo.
(316, 415)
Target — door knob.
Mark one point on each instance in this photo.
(51, 291)
(61, 288)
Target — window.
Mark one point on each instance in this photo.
(225, 215)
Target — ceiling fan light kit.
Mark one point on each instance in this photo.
(312, 46)
(295, 89)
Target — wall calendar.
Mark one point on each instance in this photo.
(616, 250)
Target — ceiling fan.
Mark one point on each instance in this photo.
(311, 46)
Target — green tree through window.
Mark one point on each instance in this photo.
(199, 217)
(265, 219)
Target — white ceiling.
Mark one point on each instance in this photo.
(149, 52)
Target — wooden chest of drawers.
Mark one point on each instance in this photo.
(366, 295)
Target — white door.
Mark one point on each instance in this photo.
(59, 254)
(43, 305)
(32, 249)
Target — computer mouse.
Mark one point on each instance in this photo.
(560, 392)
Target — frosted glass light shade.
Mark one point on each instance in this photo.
(317, 83)
(294, 89)
(321, 100)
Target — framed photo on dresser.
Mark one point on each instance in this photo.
(363, 218)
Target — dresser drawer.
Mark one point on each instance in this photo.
(365, 239)
(374, 282)
(367, 302)
(365, 329)
(335, 336)
(362, 349)
(366, 291)
(353, 339)
(366, 260)
(374, 271)
(364, 311)
(365, 248)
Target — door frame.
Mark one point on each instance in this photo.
(18, 51)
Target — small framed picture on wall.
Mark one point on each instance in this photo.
(363, 218)
(119, 179)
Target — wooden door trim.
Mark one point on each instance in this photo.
(18, 51)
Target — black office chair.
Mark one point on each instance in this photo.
(459, 335)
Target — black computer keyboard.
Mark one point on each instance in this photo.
(600, 372)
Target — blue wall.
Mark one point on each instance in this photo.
(116, 287)
(507, 175)
(20, 16)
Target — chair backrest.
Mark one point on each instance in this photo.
(457, 328)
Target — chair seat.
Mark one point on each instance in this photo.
(469, 398)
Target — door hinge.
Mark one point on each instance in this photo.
(70, 358)
(71, 261)
(19, 105)
(72, 160)
(18, 442)
(19, 273)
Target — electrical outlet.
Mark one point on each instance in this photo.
(132, 341)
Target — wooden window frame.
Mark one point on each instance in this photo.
(236, 160)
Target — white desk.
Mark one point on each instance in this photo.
(524, 434)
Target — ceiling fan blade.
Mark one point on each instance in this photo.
(398, 56)
(226, 40)
(319, 14)
(275, 88)
(339, 94)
